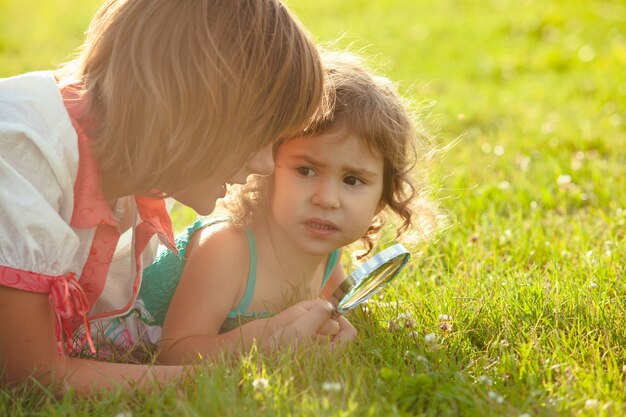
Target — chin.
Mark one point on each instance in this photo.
(203, 208)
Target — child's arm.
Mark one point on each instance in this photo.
(28, 348)
(213, 281)
(297, 324)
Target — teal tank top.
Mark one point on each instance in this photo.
(161, 278)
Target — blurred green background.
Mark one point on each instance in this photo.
(523, 85)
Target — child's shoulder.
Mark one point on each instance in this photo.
(217, 251)
(223, 240)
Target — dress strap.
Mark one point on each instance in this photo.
(333, 257)
(251, 281)
(246, 299)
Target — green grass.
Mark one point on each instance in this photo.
(530, 270)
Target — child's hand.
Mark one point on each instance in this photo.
(346, 332)
(307, 320)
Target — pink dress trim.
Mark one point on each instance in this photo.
(65, 294)
(90, 207)
(70, 299)
(92, 210)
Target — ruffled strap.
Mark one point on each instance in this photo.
(69, 303)
(66, 296)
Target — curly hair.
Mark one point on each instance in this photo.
(370, 107)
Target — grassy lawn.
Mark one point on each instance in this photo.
(518, 307)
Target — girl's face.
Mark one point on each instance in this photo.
(327, 189)
(202, 196)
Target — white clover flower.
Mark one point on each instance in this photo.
(523, 162)
(430, 338)
(498, 150)
(496, 397)
(586, 53)
(406, 320)
(414, 333)
(564, 180)
(504, 185)
(331, 386)
(593, 284)
(421, 358)
(260, 383)
(591, 403)
(484, 379)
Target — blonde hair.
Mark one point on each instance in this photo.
(178, 88)
(370, 107)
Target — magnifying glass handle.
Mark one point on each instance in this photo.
(332, 299)
(339, 294)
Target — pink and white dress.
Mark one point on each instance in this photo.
(58, 235)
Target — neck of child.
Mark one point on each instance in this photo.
(289, 258)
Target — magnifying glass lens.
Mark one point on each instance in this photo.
(370, 277)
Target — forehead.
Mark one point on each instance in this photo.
(335, 147)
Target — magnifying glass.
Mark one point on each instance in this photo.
(369, 278)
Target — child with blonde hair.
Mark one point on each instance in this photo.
(166, 98)
(282, 236)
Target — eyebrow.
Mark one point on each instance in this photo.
(349, 168)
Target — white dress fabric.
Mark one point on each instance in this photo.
(49, 225)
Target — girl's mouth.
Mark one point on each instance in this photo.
(320, 227)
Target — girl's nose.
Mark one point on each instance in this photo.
(326, 195)
(262, 163)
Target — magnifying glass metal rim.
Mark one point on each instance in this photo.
(377, 261)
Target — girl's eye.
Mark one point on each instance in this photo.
(304, 171)
(351, 180)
